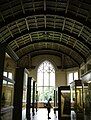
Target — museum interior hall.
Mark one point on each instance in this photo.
(45, 52)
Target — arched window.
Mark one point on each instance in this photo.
(45, 81)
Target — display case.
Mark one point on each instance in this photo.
(55, 108)
(7, 92)
(87, 94)
(7, 96)
(77, 98)
(56, 98)
(64, 103)
(24, 90)
(87, 100)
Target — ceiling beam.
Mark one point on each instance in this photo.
(44, 5)
(28, 13)
(49, 29)
(50, 52)
(12, 54)
(58, 42)
(22, 7)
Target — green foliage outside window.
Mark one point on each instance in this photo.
(48, 92)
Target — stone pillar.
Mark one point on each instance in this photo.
(54, 98)
(36, 99)
(28, 98)
(59, 103)
(33, 98)
(18, 93)
(2, 59)
(79, 73)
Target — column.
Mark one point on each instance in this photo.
(18, 93)
(36, 97)
(2, 59)
(33, 98)
(79, 73)
(59, 103)
(28, 98)
(54, 98)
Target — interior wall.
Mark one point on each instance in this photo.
(60, 75)
(33, 74)
(9, 65)
(61, 79)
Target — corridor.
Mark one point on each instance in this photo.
(41, 114)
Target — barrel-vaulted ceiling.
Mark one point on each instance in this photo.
(55, 27)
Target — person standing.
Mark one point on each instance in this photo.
(49, 107)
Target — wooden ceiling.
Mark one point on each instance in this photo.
(55, 27)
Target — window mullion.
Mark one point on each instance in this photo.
(43, 79)
(49, 77)
(47, 69)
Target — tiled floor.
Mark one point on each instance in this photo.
(41, 114)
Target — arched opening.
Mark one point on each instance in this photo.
(45, 81)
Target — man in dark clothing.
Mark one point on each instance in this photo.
(49, 107)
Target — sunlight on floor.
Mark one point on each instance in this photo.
(42, 114)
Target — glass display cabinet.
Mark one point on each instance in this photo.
(64, 103)
(87, 100)
(7, 92)
(56, 97)
(24, 90)
(7, 96)
(55, 108)
(77, 98)
(85, 93)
